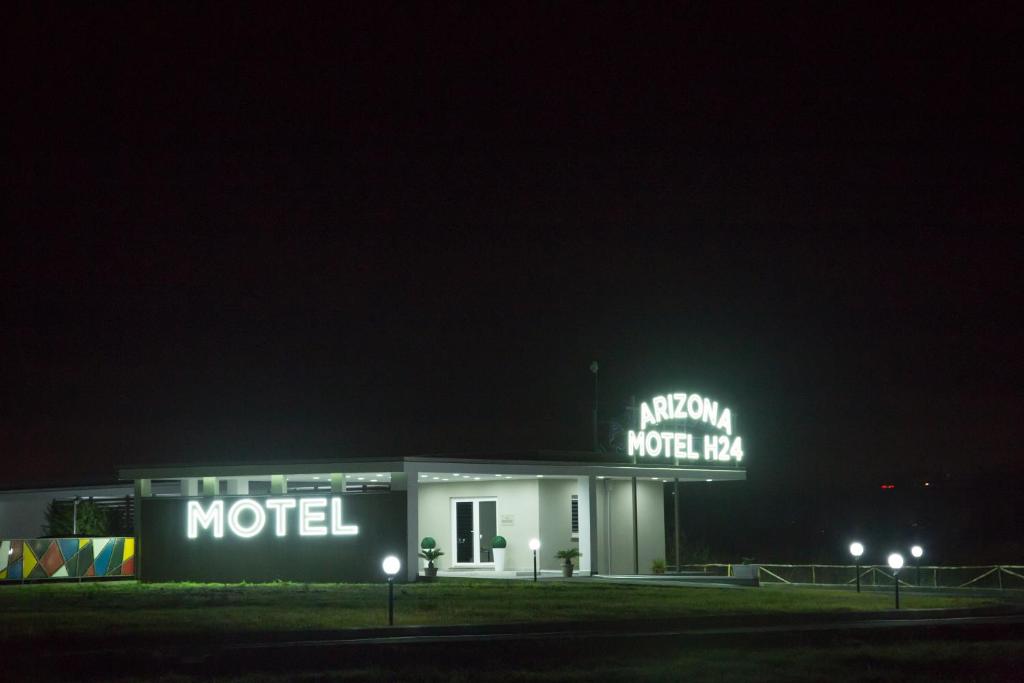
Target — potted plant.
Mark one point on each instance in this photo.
(498, 544)
(567, 556)
(428, 543)
(430, 552)
(658, 566)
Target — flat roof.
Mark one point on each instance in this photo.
(49, 487)
(566, 463)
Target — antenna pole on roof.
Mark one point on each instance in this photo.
(636, 524)
(594, 369)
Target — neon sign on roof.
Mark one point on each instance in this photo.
(685, 410)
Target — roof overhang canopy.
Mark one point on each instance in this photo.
(534, 463)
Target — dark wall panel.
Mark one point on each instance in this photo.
(168, 554)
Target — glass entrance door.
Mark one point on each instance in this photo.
(474, 523)
(464, 532)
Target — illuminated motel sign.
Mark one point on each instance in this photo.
(248, 517)
(678, 446)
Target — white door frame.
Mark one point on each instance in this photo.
(476, 529)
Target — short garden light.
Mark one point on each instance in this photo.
(857, 549)
(534, 546)
(391, 566)
(896, 563)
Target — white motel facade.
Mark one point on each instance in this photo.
(334, 520)
(613, 513)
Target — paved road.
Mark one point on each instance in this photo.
(488, 648)
(498, 635)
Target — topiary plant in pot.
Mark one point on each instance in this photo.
(498, 545)
(430, 552)
(567, 556)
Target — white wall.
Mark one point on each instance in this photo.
(555, 520)
(651, 526)
(516, 497)
(615, 525)
(541, 508)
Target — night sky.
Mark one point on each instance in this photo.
(237, 235)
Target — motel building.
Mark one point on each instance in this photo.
(335, 520)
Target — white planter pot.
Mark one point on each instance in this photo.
(499, 559)
(751, 572)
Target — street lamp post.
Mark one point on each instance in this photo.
(391, 566)
(857, 549)
(896, 563)
(534, 546)
(917, 551)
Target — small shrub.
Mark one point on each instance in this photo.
(60, 519)
(568, 555)
(498, 542)
(431, 554)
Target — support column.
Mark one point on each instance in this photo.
(412, 525)
(143, 489)
(238, 487)
(608, 524)
(586, 505)
(210, 487)
(278, 484)
(675, 516)
(337, 482)
(190, 487)
(636, 533)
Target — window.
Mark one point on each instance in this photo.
(575, 517)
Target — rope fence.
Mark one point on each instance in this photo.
(987, 576)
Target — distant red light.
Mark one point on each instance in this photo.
(888, 486)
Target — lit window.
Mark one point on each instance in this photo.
(575, 516)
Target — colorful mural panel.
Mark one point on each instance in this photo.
(66, 558)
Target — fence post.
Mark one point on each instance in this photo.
(935, 577)
(999, 574)
(814, 579)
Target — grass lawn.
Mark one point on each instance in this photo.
(84, 610)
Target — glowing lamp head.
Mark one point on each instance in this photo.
(917, 551)
(856, 549)
(391, 565)
(895, 561)
(534, 544)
